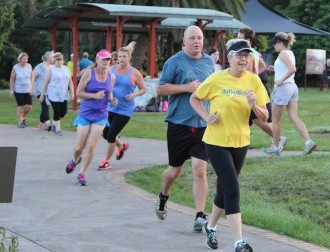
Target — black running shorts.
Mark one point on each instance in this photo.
(184, 142)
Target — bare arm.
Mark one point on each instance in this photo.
(200, 109)
(140, 83)
(33, 81)
(71, 88)
(138, 78)
(45, 84)
(260, 111)
(112, 100)
(262, 65)
(11, 83)
(172, 89)
(250, 66)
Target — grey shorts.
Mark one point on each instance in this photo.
(285, 93)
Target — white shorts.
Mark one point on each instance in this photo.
(284, 94)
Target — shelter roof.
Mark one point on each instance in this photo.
(231, 25)
(264, 20)
(135, 11)
(98, 17)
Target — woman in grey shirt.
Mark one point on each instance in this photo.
(38, 76)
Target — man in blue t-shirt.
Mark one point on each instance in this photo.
(181, 75)
(83, 64)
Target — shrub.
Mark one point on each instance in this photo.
(13, 243)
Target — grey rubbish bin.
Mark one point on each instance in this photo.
(8, 157)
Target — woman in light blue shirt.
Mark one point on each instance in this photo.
(20, 81)
(38, 77)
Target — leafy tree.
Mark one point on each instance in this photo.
(304, 11)
(6, 20)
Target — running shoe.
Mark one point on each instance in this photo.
(199, 223)
(104, 165)
(282, 143)
(120, 152)
(211, 237)
(81, 179)
(72, 165)
(24, 123)
(309, 147)
(272, 150)
(243, 247)
(59, 133)
(161, 209)
(21, 125)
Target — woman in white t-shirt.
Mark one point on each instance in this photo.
(56, 84)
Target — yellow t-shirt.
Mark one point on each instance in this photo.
(226, 94)
(70, 66)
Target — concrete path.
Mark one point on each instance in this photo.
(50, 212)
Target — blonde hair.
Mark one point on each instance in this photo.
(128, 49)
(21, 55)
(290, 37)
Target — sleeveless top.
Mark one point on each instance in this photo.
(41, 70)
(124, 85)
(95, 109)
(58, 85)
(281, 69)
(23, 78)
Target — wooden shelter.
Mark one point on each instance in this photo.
(118, 19)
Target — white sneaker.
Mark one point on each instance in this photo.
(309, 147)
(282, 143)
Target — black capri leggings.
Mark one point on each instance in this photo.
(44, 114)
(227, 163)
(117, 123)
(60, 109)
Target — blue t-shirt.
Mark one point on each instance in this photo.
(39, 82)
(181, 69)
(84, 63)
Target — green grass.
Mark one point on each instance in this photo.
(289, 195)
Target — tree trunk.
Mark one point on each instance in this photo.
(140, 51)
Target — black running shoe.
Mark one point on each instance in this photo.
(243, 247)
(211, 237)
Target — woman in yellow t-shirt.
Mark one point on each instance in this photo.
(231, 93)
